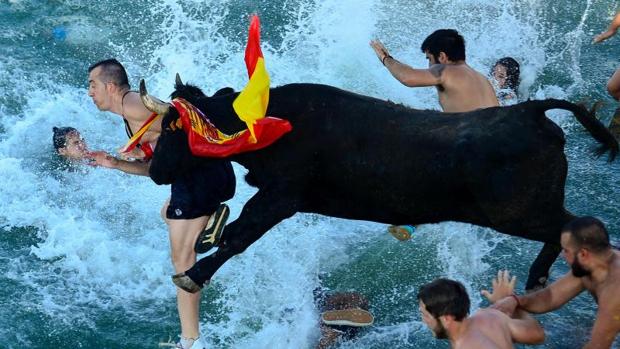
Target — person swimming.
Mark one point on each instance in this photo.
(506, 77)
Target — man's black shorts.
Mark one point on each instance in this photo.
(200, 191)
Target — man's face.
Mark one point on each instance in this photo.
(571, 254)
(500, 74)
(431, 59)
(75, 147)
(97, 90)
(436, 327)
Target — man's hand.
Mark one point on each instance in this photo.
(611, 30)
(135, 154)
(603, 36)
(503, 286)
(507, 305)
(380, 50)
(101, 158)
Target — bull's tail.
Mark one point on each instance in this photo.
(597, 130)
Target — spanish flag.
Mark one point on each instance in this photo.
(251, 104)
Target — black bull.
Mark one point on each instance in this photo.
(357, 157)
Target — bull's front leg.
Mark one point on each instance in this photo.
(263, 211)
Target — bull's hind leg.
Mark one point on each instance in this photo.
(539, 270)
(263, 211)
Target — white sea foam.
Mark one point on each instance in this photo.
(101, 240)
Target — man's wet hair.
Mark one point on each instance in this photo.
(513, 72)
(448, 41)
(588, 232)
(112, 71)
(59, 137)
(445, 297)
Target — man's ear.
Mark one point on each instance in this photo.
(446, 320)
(109, 87)
(583, 253)
(442, 58)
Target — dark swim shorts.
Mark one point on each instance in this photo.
(200, 191)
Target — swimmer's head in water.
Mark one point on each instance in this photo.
(69, 143)
(507, 73)
(448, 41)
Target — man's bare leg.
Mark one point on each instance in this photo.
(183, 234)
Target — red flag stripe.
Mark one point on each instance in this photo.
(253, 51)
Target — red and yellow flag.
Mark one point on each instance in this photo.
(251, 104)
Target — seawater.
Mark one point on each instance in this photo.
(84, 255)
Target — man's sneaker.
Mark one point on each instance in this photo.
(185, 283)
(210, 237)
(401, 232)
(184, 343)
(348, 317)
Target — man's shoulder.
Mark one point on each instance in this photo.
(489, 314)
(480, 330)
(459, 74)
(134, 109)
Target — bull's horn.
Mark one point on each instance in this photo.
(178, 81)
(151, 103)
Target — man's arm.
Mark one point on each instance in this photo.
(613, 85)
(607, 323)
(611, 30)
(552, 297)
(104, 159)
(525, 329)
(407, 75)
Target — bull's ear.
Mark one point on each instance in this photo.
(177, 81)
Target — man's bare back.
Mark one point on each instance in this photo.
(487, 328)
(464, 89)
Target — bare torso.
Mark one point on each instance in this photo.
(136, 115)
(486, 329)
(463, 89)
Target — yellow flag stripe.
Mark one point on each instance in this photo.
(251, 104)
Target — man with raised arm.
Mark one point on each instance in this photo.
(613, 85)
(460, 87)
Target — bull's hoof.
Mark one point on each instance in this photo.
(401, 232)
(185, 283)
(538, 285)
(210, 237)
